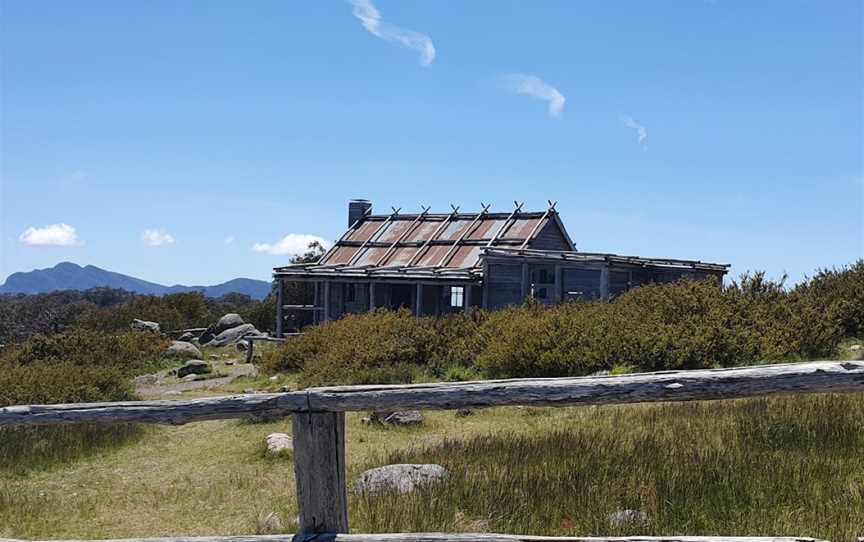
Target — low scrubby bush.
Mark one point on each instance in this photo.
(839, 295)
(378, 347)
(685, 325)
(79, 366)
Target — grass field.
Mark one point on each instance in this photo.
(782, 466)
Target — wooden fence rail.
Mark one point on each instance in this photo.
(319, 425)
(708, 384)
(445, 537)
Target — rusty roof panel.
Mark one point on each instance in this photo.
(394, 231)
(423, 231)
(400, 256)
(485, 229)
(464, 257)
(365, 231)
(521, 228)
(370, 256)
(455, 229)
(433, 255)
(341, 255)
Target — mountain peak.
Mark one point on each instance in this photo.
(71, 276)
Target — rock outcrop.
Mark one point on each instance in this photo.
(181, 349)
(401, 478)
(144, 325)
(194, 367)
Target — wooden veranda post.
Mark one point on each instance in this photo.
(319, 468)
(280, 311)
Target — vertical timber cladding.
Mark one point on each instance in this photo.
(355, 297)
(542, 282)
(504, 283)
(619, 281)
(581, 283)
(550, 238)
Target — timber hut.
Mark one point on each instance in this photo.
(434, 264)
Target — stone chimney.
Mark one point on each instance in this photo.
(357, 209)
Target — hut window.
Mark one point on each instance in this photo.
(457, 296)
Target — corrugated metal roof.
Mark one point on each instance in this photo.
(588, 257)
(425, 243)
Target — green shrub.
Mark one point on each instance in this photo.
(381, 346)
(62, 382)
(82, 366)
(130, 353)
(79, 366)
(839, 295)
(685, 325)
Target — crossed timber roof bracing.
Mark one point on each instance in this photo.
(427, 245)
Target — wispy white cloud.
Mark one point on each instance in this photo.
(53, 235)
(229, 240)
(370, 17)
(641, 132)
(533, 86)
(292, 244)
(157, 238)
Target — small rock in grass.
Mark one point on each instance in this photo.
(180, 349)
(228, 321)
(230, 362)
(855, 347)
(400, 418)
(285, 389)
(269, 523)
(190, 378)
(402, 478)
(144, 325)
(194, 367)
(234, 334)
(625, 518)
(274, 378)
(463, 412)
(278, 443)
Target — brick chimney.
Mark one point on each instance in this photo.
(357, 209)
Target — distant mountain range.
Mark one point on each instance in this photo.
(70, 276)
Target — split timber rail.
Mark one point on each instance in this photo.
(319, 427)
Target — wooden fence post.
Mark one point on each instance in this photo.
(319, 468)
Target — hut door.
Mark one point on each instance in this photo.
(400, 295)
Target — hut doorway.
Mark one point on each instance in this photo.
(400, 296)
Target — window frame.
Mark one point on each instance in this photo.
(457, 294)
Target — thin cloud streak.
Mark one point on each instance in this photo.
(53, 235)
(292, 244)
(641, 132)
(534, 87)
(370, 17)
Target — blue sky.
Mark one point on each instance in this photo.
(172, 137)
